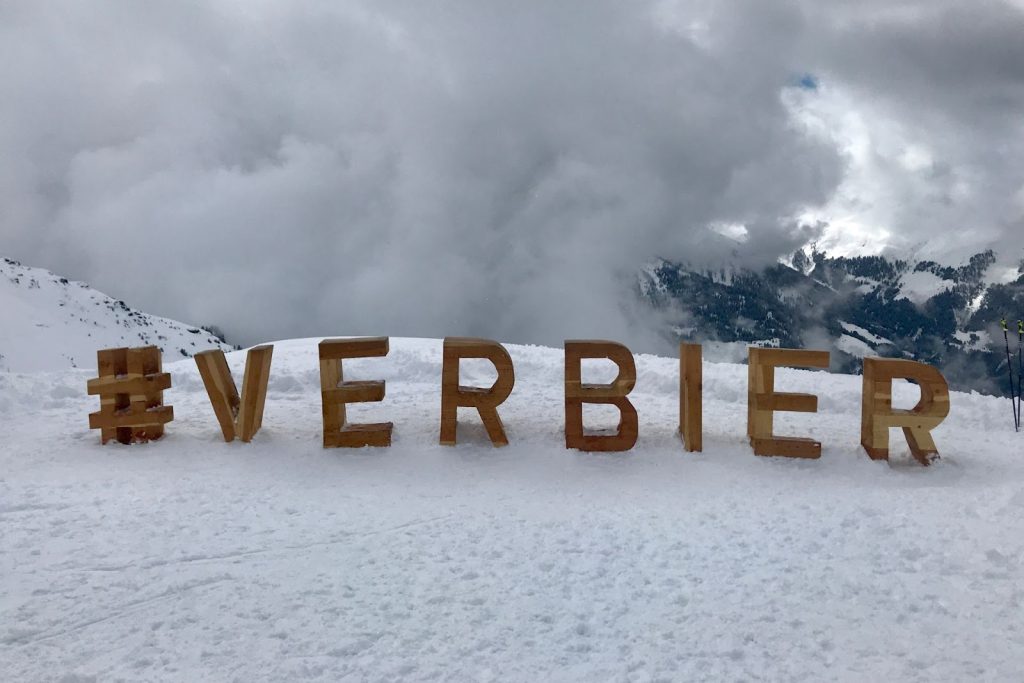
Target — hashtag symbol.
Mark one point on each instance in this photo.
(131, 389)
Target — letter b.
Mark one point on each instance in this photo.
(577, 393)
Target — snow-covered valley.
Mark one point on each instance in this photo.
(192, 559)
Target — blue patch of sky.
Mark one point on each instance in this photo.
(807, 82)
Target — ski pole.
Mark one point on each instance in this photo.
(1009, 371)
(1020, 366)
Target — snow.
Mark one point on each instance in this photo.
(51, 323)
(974, 340)
(192, 559)
(649, 280)
(863, 333)
(866, 285)
(853, 346)
(824, 284)
(919, 286)
(976, 302)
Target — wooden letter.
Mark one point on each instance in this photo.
(763, 401)
(131, 387)
(691, 385)
(239, 417)
(577, 393)
(878, 415)
(486, 401)
(335, 393)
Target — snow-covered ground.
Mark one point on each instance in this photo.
(190, 559)
(51, 323)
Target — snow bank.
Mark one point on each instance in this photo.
(191, 559)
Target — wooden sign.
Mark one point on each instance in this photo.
(486, 401)
(691, 389)
(878, 415)
(763, 401)
(335, 393)
(577, 393)
(239, 416)
(131, 387)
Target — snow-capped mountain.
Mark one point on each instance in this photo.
(48, 322)
(872, 305)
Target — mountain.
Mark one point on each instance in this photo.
(947, 316)
(48, 322)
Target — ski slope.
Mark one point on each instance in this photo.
(192, 559)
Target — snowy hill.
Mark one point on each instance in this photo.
(192, 559)
(51, 323)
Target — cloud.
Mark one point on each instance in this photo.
(925, 97)
(486, 168)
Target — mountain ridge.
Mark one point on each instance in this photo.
(944, 315)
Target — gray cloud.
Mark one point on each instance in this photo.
(491, 168)
(939, 87)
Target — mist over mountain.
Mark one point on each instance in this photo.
(940, 314)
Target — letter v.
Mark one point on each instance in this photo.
(239, 417)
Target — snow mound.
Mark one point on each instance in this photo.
(52, 323)
(192, 559)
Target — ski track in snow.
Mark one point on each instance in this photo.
(192, 559)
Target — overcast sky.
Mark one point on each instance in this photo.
(488, 167)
